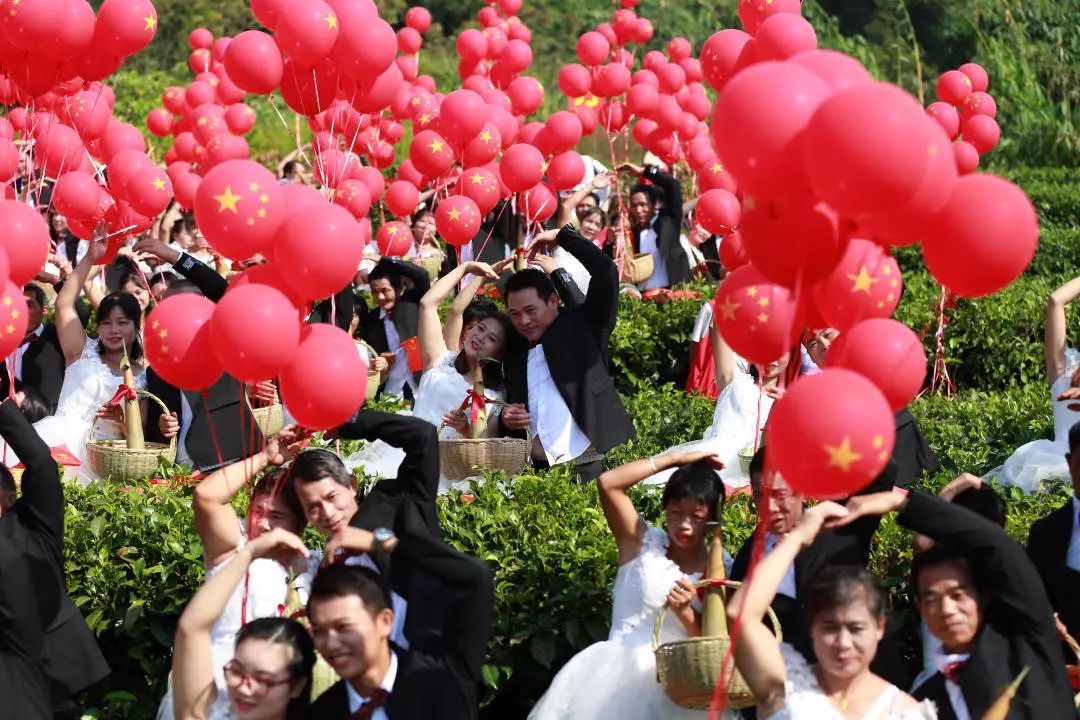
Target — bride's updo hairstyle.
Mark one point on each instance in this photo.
(131, 309)
(841, 586)
(698, 481)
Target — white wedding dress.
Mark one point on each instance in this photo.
(1040, 460)
(442, 390)
(88, 384)
(616, 678)
(804, 699)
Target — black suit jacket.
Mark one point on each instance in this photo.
(668, 227)
(40, 627)
(1048, 548)
(205, 277)
(440, 681)
(43, 367)
(406, 317)
(1018, 628)
(710, 250)
(576, 347)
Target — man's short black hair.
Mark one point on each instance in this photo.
(316, 463)
(290, 168)
(385, 271)
(985, 502)
(939, 555)
(36, 291)
(334, 581)
(531, 278)
(650, 191)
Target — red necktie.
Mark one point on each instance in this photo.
(377, 700)
(951, 671)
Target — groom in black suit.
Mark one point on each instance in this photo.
(47, 653)
(39, 361)
(351, 620)
(557, 381)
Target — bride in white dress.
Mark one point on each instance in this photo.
(1040, 460)
(742, 409)
(617, 678)
(444, 397)
(846, 609)
(93, 373)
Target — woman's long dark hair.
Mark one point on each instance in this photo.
(492, 372)
(283, 631)
(129, 306)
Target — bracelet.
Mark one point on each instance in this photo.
(652, 464)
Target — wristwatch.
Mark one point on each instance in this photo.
(382, 536)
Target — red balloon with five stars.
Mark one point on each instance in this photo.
(431, 154)
(831, 434)
(178, 344)
(125, 26)
(13, 318)
(239, 207)
(865, 284)
(481, 185)
(457, 219)
(394, 239)
(149, 191)
(755, 317)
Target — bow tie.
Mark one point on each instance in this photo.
(30, 337)
(952, 670)
(378, 698)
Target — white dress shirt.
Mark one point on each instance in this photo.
(562, 439)
(648, 242)
(787, 585)
(1073, 558)
(398, 374)
(21, 350)
(356, 702)
(956, 695)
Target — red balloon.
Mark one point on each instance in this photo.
(566, 170)
(758, 120)
(431, 153)
(526, 95)
(643, 99)
(320, 387)
(457, 220)
(159, 121)
(366, 50)
(322, 246)
(718, 211)
(200, 39)
(563, 130)
(394, 239)
(481, 185)
(255, 330)
(308, 91)
(794, 242)
(612, 80)
(123, 167)
(267, 11)
(865, 284)
(978, 103)
(240, 118)
(120, 136)
(946, 116)
(833, 454)
(984, 237)
(522, 167)
(836, 69)
(30, 23)
(74, 33)
(888, 354)
(185, 188)
(462, 115)
(307, 31)
(733, 252)
(753, 13)
(9, 160)
(539, 203)
(149, 191)
(484, 147)
(253, 61)
(178, 343)
(76, 195)
(575, 80)
(267, 273)
(784, 35)
(953, 87)
(60, 150)
(354, 196)
(125, 26)
(866, 149)
(755, 317)
(472, 45)
(966, 156)
(409, 41)
(592, 48)
(719, 55)
(977, 75)
(982, 132)
(402, 198)
(13, 317)
(418, 18)
(374, 180)
(239, 207)
(25, 239)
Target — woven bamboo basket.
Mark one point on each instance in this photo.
(638, 268)
(431, 263)
(270, 419)
(689, 669)
(460, 458)
(114, 459)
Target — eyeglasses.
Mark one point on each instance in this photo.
(236, 675)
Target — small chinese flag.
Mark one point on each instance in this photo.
(411, 346)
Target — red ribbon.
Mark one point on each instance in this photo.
(123, 393)
(474, 401)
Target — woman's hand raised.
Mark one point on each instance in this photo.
(481, 269)
(825, 514)
(277, 544)
(284, 446)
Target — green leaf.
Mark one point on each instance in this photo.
(542, 650)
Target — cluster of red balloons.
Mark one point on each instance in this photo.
(966, 112)
(820, 170)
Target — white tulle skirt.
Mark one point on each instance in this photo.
(1032, 464)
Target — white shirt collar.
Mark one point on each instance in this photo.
(356, 701)
(37, 332)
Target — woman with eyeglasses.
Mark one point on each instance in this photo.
(269, 675)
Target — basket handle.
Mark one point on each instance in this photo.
(90, 437)
(706, 583)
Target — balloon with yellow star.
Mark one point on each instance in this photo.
(755, 317)
(394, 239)
(149, 191)
(125, 26)
(457, 220)
(830, 434)
(484, 147)
(307, 31)
(480, 184)
(239, 207)
(13, 318)
(177, 340)
(865, 284)
(431, 153)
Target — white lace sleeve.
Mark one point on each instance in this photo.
(655, 539)
(926, 710)
(800, 678)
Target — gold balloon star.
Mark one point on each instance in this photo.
(485, 136)
(751, 291)
(878, 442)
(863, 281)
(331, 22)
(163, 334)
(477, 179)
(227, 201)
(842, 456)
(155, 325)
(763, 318)
(11, 329)
(254, 187)
(151, 23)
(436, 146)
(392, 230)
(763, 302)
(425, 119)
(454, 214)
(727, 310)
(7, 302)
(158, 183)
(264, 198)
(717, 168)
(14, 314)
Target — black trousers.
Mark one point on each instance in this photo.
(584, 472)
